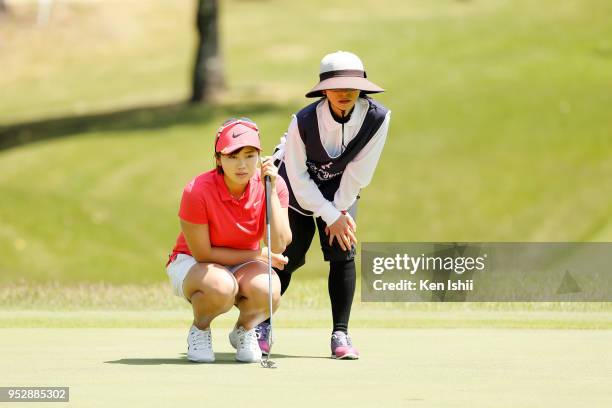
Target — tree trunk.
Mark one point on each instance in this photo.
(208, 77)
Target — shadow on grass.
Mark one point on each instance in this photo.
(220, 358)
(140, 118)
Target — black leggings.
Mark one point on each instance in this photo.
(342, 274)
(341, 288)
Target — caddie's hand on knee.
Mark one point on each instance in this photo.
(351, 221)
(343, 230)
(268, 169)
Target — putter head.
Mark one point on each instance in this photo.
(267, 363)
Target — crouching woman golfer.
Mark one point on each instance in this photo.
(217, 261)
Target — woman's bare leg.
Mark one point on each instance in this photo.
(211, 289)
(252, 298)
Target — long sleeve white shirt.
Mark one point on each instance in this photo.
(358, 172)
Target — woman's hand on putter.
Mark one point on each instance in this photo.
(278, 260)
(268, 169)
(343, 229)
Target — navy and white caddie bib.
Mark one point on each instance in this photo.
(325, 171)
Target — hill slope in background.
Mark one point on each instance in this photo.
(500, 128)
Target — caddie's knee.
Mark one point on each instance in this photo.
(293, 265)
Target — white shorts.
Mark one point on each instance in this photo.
(177, 271)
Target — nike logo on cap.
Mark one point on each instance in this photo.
(234, 135)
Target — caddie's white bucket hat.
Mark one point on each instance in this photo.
(342, 70)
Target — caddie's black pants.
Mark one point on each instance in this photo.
(342, 274)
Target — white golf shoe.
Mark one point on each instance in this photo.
(199, 345)
(245, 343)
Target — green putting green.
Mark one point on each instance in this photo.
(399, 367)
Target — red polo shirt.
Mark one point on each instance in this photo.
(232, 223)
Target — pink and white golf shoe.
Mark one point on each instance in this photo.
(342, 348)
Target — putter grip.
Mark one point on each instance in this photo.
(267, 192)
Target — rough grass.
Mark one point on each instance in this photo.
(304, 295)
(102, 305)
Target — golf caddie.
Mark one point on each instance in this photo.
(327, 156)
(217, 261)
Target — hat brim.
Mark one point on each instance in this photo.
(361, 84)
(231, 149)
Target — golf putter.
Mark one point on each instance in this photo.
(267, 363)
